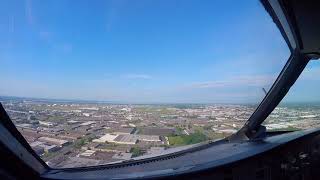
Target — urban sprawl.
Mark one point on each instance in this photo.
(75, 134)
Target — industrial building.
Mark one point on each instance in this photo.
(58, 142)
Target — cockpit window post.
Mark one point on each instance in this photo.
(253, 128)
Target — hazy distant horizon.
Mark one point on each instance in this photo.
(84, 101)
(106, 101)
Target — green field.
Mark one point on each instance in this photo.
(136, 151)
(187, 139)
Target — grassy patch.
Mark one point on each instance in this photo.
(81, 142)
(290, 128)
(136, 151)
(187, 139)
(213, 135)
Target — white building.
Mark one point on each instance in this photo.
(106, 138)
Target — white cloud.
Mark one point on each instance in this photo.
(137, 76)
(254, 80)
(310, 73)
(63, 47)
(67, 47)
(29, 12)
(45, 35)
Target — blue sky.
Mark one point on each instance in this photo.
(139, 51)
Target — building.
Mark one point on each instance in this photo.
(124, 131)
(87, 153)
(148, 138)
(106, 138)
(36, 143)
(72, 122)
(119, 139)
(39, 150)
(46, 147)
(122, 156)
(71, 135)
(58, 142)
(110, 148)
(157, 131)
(126, 139)
(48, 124)
(87, 123)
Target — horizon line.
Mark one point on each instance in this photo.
(115, 101)
(62, 100)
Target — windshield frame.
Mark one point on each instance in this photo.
(296, 63)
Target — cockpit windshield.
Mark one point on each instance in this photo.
(95, 82)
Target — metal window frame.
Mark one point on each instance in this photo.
(285, 21)
(12, 140)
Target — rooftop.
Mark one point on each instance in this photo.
(126, 139)
(157, 131)
(124, 131)
(106, 138)
(87, 123)
(53, 140)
